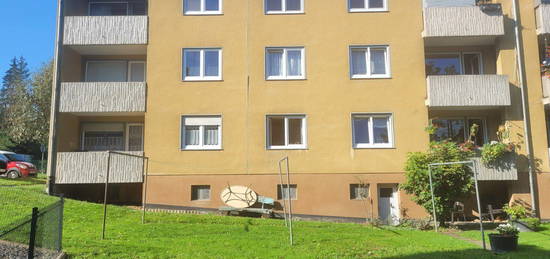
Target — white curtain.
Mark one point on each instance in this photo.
(380, 130)
(212, 63)
(294, 63)
(192, 135)
(378, 61)
(211, 136)
(359, 62)
(192, 63)
(193, 5)
(274, 63)
(107, 71)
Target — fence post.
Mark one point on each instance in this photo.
(60, 223)
(32, 236)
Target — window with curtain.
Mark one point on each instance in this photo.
(284, 190)
(285, 63)
(367, 5)
(372, 131)
(283, 6)
(458, 130)
(201, 132)
(198, 7)
(358, 191)
(286, 132)
(202, 64)
(369, 62)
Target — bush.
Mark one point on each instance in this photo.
(450, 182)
(532, 223)
(492, 152)
(515, 212)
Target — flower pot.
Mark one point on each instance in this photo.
(503, 243)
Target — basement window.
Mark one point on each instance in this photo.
(282, 191)
(200, 192)
(358, 191)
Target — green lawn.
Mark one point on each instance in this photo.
(39, 179)
(205, 236)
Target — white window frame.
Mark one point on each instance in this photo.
(369, 74)
(284, 75)
(201, 145)
(130, 69)
(283, 8)
(127, 135)
(120, 2)
(371, 144)
(203, 10)
(461, 59)
(201, 76)
(367, 9)
(286, 145)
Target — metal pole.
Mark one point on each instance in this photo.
(525, 107)
(289, 201)
(282, 190)
(144, 200)
(32, 237)
(60, 223)
(433, 197)
(479, 205)
(106, 192)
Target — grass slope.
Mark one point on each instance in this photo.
(206, 236)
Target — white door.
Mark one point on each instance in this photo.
(388, 204)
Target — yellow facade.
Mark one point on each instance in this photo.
(327, 97)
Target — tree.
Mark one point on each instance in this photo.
(41, 99)
(451, 182)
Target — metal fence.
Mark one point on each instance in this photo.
(37, 234)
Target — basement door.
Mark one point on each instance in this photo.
(388, 204)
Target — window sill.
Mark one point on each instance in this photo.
(202, 13)
(201, 149)
(370, 77)
(202, 80)
(373, 147)
(284, 13)
(287, 148)
(368, 10)
(286, 79)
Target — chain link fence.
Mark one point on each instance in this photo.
(31, 232)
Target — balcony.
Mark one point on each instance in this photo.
(461, 23)
(106, 35)
(546, 90)
(504, 170)
(468, 91)
(542, 14)
(103, 97)
(91, 168)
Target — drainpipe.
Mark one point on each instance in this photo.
(52, 142)
(524, 104)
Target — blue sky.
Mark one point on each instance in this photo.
(28, 30)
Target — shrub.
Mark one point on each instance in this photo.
(492, 152)
(450, 182)
(515, 212)
(507, 229)
(532, 223)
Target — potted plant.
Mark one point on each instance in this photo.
(519, 218)
(506, 240)
(492, 152)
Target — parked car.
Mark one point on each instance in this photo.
(16, 165)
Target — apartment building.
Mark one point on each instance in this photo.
(215, 93)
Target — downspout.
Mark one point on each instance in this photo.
(58, 56)
(524, 104)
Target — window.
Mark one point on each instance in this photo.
(454, 64)
(367, 5)
(285, 63)
(370, 62)
(115, 71)
(372, 131)
(197, 7)
(201, 133)
(286, 132)
(283, 191)
(202, 64)
(103, 136)
(284, 6)
(106, 8)
(134, 138)
(458, 130)
(358, 191)
(200, 192)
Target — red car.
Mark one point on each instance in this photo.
(16, 165)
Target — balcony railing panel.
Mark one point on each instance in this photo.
(503, 170)
(86, 97)
(105, 30)
(542, 13)
(91, 168)
(462, 21)
(468, 91)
